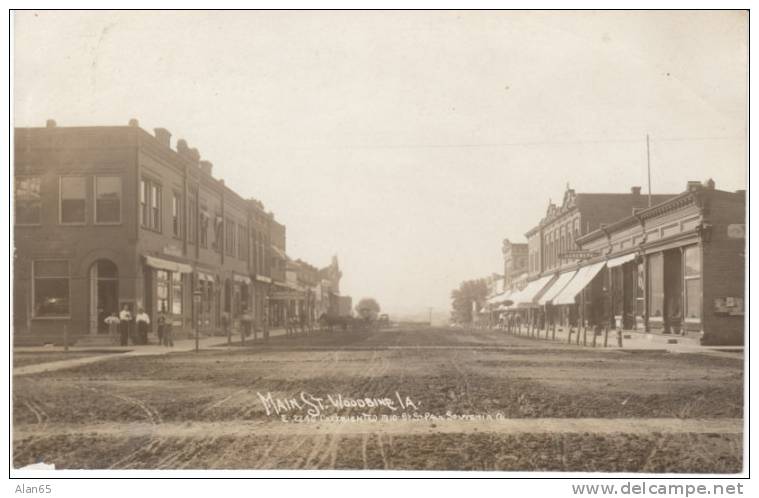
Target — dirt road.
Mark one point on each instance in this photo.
(400, 399)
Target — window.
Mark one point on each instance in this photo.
(203, 228)
(254, 247)
(150, 205)
(162, 290)
(107, 199)
(229, 237)
(192, 218)
(51, 288)
(155, 207)
(692, 257)
(73, 199)
(28, 201)
(144, 210)
(242, 237)
(176, 293)
(656, 284)
(640, 286)
(176, 215)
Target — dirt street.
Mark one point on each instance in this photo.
(395, 399)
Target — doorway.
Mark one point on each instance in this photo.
(104, 294)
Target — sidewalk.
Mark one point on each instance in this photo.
(110, 352)
(631, 341)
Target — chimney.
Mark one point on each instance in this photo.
(134, 123)
(635, 191)
(194, 155)
(163, 136)
(182, 147)
(206, 167)
(709, 184)
(692, 186)
(50, 123)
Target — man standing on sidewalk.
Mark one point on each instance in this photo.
(125, 320)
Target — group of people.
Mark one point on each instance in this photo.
(135, 328)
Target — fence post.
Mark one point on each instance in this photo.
(606, 336)
(65, 337)
(619, 338)
(595, 332)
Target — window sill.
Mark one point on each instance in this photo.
(108, 223)
(47, 318)
(73, 224)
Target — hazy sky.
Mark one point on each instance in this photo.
(409, 143)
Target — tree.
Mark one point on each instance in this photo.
(368, 308)
(463, 299)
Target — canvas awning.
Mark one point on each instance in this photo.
(581, 280)
(619, 261)
(263, 278)
(279, 252)
(204, 276)
(556, 287)
(165, 264)
(242, 279)
(527, 296)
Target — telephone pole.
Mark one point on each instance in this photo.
(648, 162)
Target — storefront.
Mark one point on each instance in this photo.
(166, 289)
(676, 268)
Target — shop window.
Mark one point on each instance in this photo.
(107, 199)
(73, 199)
(692, 264)
(176, 293)
(28, 201)
(162, 290)
(656, 284)
(640, 290)
(51, 288)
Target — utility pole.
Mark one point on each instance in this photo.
(648, 162)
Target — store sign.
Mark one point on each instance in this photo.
(736, 231)
(172, 250)
(284, 295)
(579, 254)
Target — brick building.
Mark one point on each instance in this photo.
(677, 267)
(112, 216)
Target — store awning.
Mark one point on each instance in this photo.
(555, 288)
(165, 264)
(242, 279)
(581, 280)
(527, 296)
(205, 276)
(620, 260)
(263, 278)
(279, 252)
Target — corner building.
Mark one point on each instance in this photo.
(113, 216)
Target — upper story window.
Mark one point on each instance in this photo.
(192, 217)
(176, 215)
(73, 202)
(242, 246)
(107, 199)
(203, 227)
(155, 207)
(150, 205)
(229, 237)
(28, 201)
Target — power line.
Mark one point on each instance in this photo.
(495, 144)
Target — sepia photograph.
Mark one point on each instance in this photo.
(492, 242)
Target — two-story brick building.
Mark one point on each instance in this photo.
(113, 216)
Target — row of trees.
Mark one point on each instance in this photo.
(464, 299)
